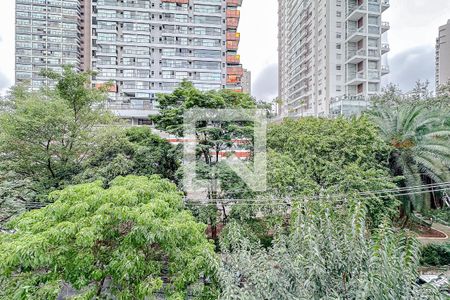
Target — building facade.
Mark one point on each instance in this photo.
(330, 55)
(140, 47)
(247, 82)
(48, 35)
(443, 55)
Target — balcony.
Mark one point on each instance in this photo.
(385, 70)
(356, 34)
(232, 13)
(238, 71)
(374, 75)
(132, 110)
(234, 3)
(232, 45)
(348, 105)
(385, 5)
(374, 53)
(233, 36)
(232, 23)
(176, 1)
(357, 12)
(356, 56)
(356, 78)
(385, 26)
(233, 79)
(233, 59)
(385, 48)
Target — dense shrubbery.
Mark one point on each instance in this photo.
(435, 255)
(326, 253)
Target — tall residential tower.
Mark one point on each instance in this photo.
(144, 47)
(330, 55)
(443, 55)
(48, 35)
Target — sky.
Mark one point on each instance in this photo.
(414, 28)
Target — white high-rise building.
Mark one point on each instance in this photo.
(330, 55)
(443, 55)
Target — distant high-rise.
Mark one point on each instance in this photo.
(330, 55)
(143, 47)
(48, 35)
(443, 55)
(247, 82)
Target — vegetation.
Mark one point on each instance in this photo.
(46, 136)
(325, 254)
(134, 235)
(323, 157)
(136, 150)
(117, 227)
(436, 255)
(420, 149)
(213, 138)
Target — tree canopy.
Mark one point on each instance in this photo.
(134, 235)
(328, 158)
(46, 135)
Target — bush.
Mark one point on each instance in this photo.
(436, 255)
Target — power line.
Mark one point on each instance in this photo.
(396, 193)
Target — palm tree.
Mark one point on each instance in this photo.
(419, 137)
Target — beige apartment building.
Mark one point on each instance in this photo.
(443, 55)
(330, 55)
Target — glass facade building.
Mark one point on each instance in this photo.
(142, 47)
(48, 35)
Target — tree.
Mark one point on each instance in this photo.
(213, 137)
(326, 253)
(313, 157)
(420, 151)
(129, 151)
(130, 241)
(45, 136)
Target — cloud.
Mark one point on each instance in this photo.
(4, 81)
(265, 87)
(411, 65)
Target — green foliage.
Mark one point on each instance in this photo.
(318, 157)
(326, 253)
(172, 106)
(213, 137)
(135, 235)
(439, 215)
(418, 137)
(46, 135)
(435, 255)
(136, 150)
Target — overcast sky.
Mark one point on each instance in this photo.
(414, 28)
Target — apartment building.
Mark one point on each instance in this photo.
(246, 82)
(48, 35)
(142, 47)
(330, 55)
(443, 55)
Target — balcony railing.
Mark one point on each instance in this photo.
(360, 52)
(355, 76)
(351, 10)
(233, 13)
(385, 48)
